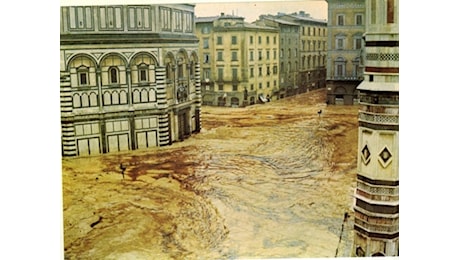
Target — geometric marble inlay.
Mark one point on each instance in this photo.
(365, 155)
(385, 157)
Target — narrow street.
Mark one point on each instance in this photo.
(266, 181)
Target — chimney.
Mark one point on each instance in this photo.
(222, 14)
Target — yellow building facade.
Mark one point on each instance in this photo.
(239, 61)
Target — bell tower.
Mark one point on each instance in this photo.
(376, 205)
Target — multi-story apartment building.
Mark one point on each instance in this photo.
(302, 51)
(345, 50)
(239, 61)
(129, 77)
(376, 205)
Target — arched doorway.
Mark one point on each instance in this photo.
(235, 102)
(339, 95)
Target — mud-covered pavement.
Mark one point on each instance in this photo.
(267, 181)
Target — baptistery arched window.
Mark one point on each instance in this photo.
(113, 75)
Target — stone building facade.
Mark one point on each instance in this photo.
(376, 206)
(346, 25)
(239, 61)
(302, 51)
(130, 77)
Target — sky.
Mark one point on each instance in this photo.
(251, 10)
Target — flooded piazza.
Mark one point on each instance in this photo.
(273, 180)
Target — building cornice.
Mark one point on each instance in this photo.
(117, 38)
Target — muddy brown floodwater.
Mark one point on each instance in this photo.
(271, 180)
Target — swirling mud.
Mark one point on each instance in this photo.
(268, 181)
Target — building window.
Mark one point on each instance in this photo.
(260, 55)
(252, 86)
(260, 71)
(221, 87)
(340, 67)
(390, 11)
(235, 87)
(235, 74)
(358, 43)
(251, 55)
(274, 39)
(169, 71)
(251, 39)
(340, 20)
(275, 69)
(206, 73)
(234, 56)
(219, 40)
(339, 70)
(359, 19)
(268, 55)
(356, 67)
(251, 72)
(180, 69)
(260, 40)
(340, 43)
(205, 30)
(234, 40)
(268, 70)
(220, 56)
(274, 83)
(268, 39)
(192, 70)
(206, 43)
(206, 58)
(143, 73)
(220, 74)
(113, 74)
(260, 85)
(83, 79)
(268, 84)
(274, 54)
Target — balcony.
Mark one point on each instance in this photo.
(377, 118)
(346, 78)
